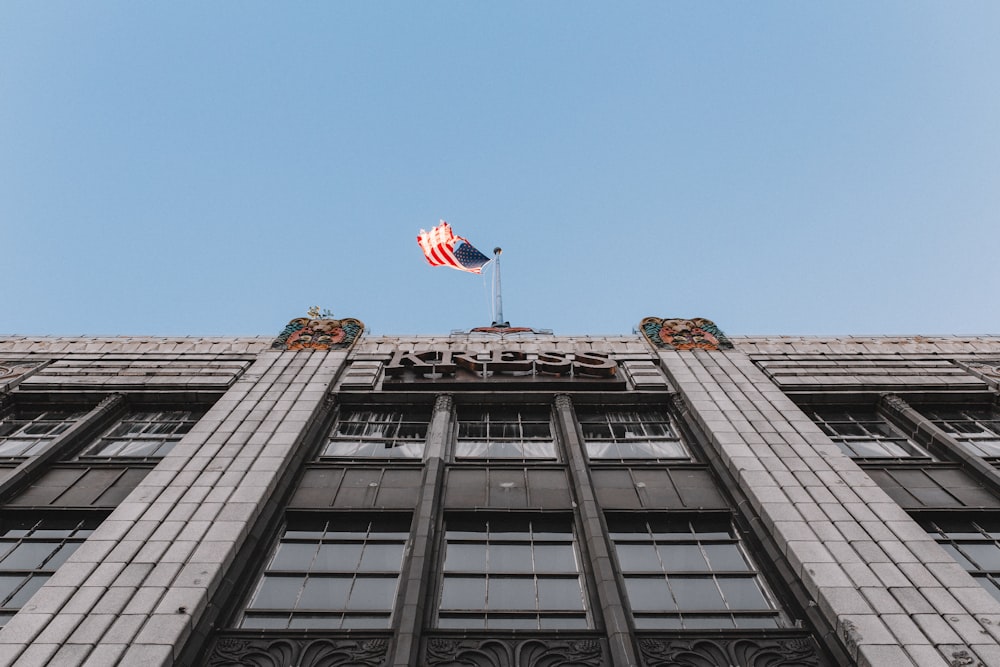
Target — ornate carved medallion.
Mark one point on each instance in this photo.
(679, 334)
(304, 333)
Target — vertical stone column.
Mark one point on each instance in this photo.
(892, 594)
(133, 592)
(592, 519)
(411, 610)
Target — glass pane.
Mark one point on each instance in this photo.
(29, 589)
(315, 621)
(563, 622)
(465, 557)
(986, 556)
(293, 556)
(381, 558)
(462, 622)
(463, 593)
(555, 558)
(362, 622)
(510, 558)
(337, 557)
(638, 558)
(373, 593)
(725, 557)
(324, 593)
(265, 622)
(8, 584)
(559, 594)
(649, 594)
(743, 593)
(29, 555)
(658, 623)
(277, 592)
(61, 556)
(708, 622)
(510, 593)
(756, 622)
(696, 593)
(682, 557)
(494, 622)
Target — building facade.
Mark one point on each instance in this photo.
(500, 497)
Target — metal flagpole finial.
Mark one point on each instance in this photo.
(497, 300)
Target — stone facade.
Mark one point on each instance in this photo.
(503, 500)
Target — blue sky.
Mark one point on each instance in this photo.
(781, 168)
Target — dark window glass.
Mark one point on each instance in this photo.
(692, 573)
(504, 573)
(864, 434)
(378, 434)
(614, 434)
(30, 552)
(974, 544)
(504, 434)
(341, 573)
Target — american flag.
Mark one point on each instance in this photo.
(439, 249)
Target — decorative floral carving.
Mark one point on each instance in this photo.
(304, 333)
(230, 651)
(680, 334)
(738, 652)
(514, 653)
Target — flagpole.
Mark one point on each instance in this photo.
(497, 299)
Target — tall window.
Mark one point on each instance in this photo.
(378, 434)
(144, 434)
(505, 434)
(977, 430)
(974, 544)
(865, 434)
(26, 432)
(630, 434)
(689, 574)
(332, 574)
(30, 552)
(511, 572)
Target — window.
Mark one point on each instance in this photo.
(144, 434)
(511, 572)
(25, 433)
(30, 552)
(865, 434)
(974, 544)
(505, 434)
(976, 430)
(630, 434)
(378, 433)
(689, 574)
(331, 574)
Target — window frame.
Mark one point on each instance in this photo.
(537, 414)
(665, 419)
(404, 414)
(545, 617)
(286, 535)
(768, 616)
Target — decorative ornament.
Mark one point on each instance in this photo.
(319, 331)
(680, 334)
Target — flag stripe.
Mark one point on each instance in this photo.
(439, 249)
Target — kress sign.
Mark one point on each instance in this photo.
(499, 364)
